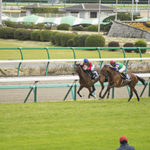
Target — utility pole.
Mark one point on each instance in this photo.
(132, 10)
(0, 12)
(148, 17)
(99, 16)
(116, 10)
(136, 2)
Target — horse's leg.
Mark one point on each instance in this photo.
(107, 90)
(100, 94)
(131, 94)
(108, 94)
(135, 91)
(80, 88)
(90, 92)
(93, 88)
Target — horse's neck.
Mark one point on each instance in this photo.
(83, 75)
(111, 74)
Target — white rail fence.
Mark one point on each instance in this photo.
(56, 78)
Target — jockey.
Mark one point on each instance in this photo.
(117, 66)
(87, 65)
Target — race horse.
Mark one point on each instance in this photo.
(85, 80)
(115, 80)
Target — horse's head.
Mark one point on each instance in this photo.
(106, 68)
(78, 68)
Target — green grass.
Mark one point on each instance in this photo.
(54, 54)
(75, 125)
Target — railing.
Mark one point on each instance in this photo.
(73, 49)
(72, 87)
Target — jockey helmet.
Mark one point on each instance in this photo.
(85, 60)
(112, 62)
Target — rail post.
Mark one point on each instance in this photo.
(113, 93)
(74, 55)
(99, 53)
(35, 93)
(140, 52)
(48, 56)
(28, 94)
(143, 89)
(34, 89)
(149, 89)
(18, 70)
(75, 90)
(124, 53)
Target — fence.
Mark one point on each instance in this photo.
(73, 49)
(72, 87)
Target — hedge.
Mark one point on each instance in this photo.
(79, 40)
(22, 34)
(140, 43)
(63, 27)
(95, 40)
(35, 35)
(45, 35)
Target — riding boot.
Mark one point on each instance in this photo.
(124, 76)
(90, 73)
(95, 74)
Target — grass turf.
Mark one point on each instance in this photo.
(72, 125)
(55, 54)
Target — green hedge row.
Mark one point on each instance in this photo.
(56, 38)
(93, 28)
(139, 43)
(66, 39)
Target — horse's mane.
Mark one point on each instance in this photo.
(79, 65)
(106, 65)
(109, 66)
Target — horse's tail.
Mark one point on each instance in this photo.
(142, 80)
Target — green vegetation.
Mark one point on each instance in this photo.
(140, 43)
(63, 27)
(55, 54)
(95, 40)
(75, 125)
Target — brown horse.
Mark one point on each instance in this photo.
(115, 80)
(85, 80)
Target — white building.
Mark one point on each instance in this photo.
(89, 10)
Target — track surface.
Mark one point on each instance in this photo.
(54, 94)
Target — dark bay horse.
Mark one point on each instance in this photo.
(115, 80)
(85, 80)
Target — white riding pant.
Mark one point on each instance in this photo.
(93, 66)
(122, 69)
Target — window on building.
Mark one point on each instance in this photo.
(75, 14)
(93, 14)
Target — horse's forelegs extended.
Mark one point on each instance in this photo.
(80, 88)
(135, 91)
(131, 94)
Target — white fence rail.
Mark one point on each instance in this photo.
(71, 60)
(52, 78)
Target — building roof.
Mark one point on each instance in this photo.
(88, 7)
